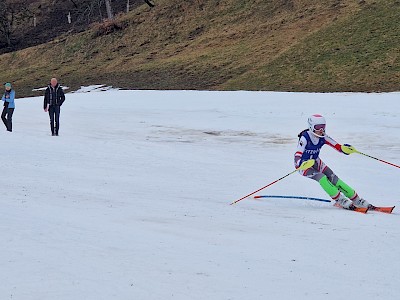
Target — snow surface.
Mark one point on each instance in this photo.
(131, 201)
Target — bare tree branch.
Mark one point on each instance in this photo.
(11, 13)
(149, 3)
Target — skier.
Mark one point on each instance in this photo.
(9, 106)
(53, 99)
(310, 143)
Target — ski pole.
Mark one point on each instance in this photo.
(350, 149)
(292, 197)
(305, 165)
(381, 160)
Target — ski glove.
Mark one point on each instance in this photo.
(348, 149)
(304, 165)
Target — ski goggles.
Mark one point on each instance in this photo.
(319, 127)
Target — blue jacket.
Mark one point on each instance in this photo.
(9, 97)
(311, 151)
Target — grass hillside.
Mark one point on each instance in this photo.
(51, 19)
(296, 45)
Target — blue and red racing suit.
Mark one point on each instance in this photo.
(309, 147)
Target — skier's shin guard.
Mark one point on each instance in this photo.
(345, 189)
(328, 187)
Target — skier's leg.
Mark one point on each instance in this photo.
(317, 172)
(342, 186)
(333, 191)
(351, 194)
(348, 191)
(328, 187)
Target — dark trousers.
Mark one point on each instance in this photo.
(54, 113)
(7, 120)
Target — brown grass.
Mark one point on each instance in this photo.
(200, 44)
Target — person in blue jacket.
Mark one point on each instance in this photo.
(9, 106)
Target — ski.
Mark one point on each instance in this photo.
(363, 210)
(387, 210)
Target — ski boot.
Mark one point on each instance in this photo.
(360, 202)
(344, 202)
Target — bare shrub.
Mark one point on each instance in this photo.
(108, 26)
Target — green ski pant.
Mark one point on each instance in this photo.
(333, 190)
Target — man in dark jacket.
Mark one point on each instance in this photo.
(53, 99)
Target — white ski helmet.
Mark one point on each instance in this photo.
(315, 120)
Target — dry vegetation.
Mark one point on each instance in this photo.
(299, 45)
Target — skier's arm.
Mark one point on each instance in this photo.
(301, 145)
(345, 149)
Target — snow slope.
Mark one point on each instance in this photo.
(131, 201)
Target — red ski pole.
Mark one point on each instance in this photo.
(350, 149)
(305, 165)
(381, 160)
